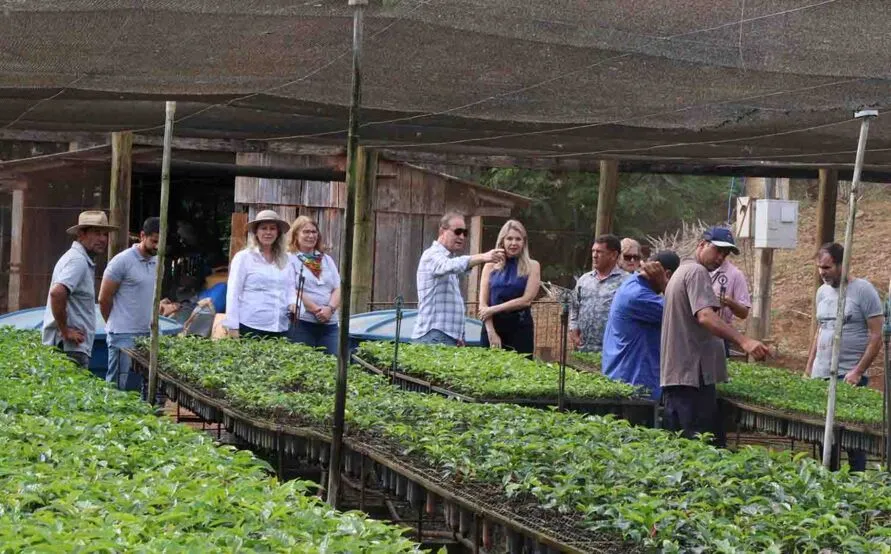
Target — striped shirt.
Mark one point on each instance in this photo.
(440, 304)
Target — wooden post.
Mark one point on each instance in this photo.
(606, 196)
(119, 191)
(17, 221)
(363, 234)
(346, 261)
(170, 110)
(760, 321)
(827, 203)
(476, 246)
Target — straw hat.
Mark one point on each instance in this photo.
(94, 219)
(269, 216)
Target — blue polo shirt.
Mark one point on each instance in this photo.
(632, 336)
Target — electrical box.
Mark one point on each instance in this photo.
(776, 224)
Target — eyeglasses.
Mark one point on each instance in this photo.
(461, 231)
(631, 257)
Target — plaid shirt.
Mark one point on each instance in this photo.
(440, 305)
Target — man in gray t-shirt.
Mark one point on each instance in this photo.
(69, 321)
(126, 298)
(861, 338)
(692, 359)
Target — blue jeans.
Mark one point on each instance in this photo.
(856, 458)
(119, 362)
(435, 336)
(317, 335)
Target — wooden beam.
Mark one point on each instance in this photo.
(492, 211)
(119, 191)
(476, 247)
(606, 196)
(238, 233)
(15, 250)
(760, 187)
(827, 204)
(363, 233)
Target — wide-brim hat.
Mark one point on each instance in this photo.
(269, 216)
(94, 219)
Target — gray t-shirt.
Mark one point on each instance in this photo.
(131, 311)
(75, 271)
(691, 355)
(861, 304)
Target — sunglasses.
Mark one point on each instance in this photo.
(460, 231)
(631, 257)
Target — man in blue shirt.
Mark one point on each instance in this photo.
(634, 328)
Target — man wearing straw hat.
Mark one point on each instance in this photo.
(69, 321)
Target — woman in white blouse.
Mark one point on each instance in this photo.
(317, 324)
(262, 291)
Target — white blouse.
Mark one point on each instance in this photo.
(317, 289)
(258, 293)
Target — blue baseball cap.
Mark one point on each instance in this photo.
(721, 237)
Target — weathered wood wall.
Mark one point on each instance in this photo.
(53, 200)
(321, 200)
(409, 203)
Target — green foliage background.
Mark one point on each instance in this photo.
(562, 216)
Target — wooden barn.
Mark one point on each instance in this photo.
(404, 205)
(43, 187)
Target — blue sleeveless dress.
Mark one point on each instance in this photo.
(516, 329)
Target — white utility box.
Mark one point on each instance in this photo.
(776, 224)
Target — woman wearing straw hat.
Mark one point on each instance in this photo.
(262, 290)
(320, 292)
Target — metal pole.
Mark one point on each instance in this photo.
(828, 434)
(886, 411)
(564, 331)
(162, 245)
(400, 302)
(346, 262)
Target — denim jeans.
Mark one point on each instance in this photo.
(435, 336)
(856, 458)
(317, 335)
(119, 362)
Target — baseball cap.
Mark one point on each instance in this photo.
(668, 259)
(721, 237)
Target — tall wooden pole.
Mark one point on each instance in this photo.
(476, 247)
(606, 196)
(162, 246)
(763, 273)
(827, 203)
(363, 235)
(346, 259)
(16, 235)
(119, 191)
(865, 116)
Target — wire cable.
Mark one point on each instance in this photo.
(621, 120)
(700, 143)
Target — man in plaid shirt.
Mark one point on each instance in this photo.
(440, 304)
